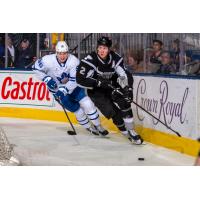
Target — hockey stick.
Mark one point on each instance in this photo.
(177, 133)
(73, 133)
(29, 65)
(69, 132)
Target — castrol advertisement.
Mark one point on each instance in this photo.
(173, 101)
(23, 88)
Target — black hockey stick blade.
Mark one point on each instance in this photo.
(71, 133)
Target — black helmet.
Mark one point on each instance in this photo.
(106, 41)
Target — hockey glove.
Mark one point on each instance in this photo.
(60, 94)
(51, 84)
(128, 94)
(116, 93)
(103, 83)
(63, 79)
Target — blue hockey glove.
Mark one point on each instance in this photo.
(51, 84)
(60, 94)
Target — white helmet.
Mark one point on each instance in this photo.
(62, 47)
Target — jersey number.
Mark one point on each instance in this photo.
(40, 63)
(82, 71)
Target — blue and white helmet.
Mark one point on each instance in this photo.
(62, 47)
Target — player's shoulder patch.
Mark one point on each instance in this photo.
(88, 57)
(89, 60)
(91, 56)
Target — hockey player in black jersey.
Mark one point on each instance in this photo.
(109, 86)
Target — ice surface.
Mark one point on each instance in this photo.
(39, 143)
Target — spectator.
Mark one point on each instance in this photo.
(11, 53)
(2, 52)
(166, 66)
(133, 62)
(46, 43)
(154, 61)
(25, 55)
(192, 68)
(176, 53)
(157, 50)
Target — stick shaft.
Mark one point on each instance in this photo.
(68, 119)
(72, 126)
(157, 119)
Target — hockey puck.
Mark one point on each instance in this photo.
(141, 159)
(71, 132)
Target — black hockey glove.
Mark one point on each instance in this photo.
(116, 93)
(128, 94)
(103, 83)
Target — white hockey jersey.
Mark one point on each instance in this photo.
(49, 66)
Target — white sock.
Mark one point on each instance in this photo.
(89, 108)
(128, 123)
(94, 117)
(82, 118)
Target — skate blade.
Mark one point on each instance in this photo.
(104, 137)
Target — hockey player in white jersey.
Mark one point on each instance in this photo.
(58, 71)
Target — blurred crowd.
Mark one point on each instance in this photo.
(21, 51)
(157, 60)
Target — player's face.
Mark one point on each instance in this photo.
(103, 51)
(62, 56)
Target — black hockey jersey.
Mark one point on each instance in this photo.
(93, 66)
